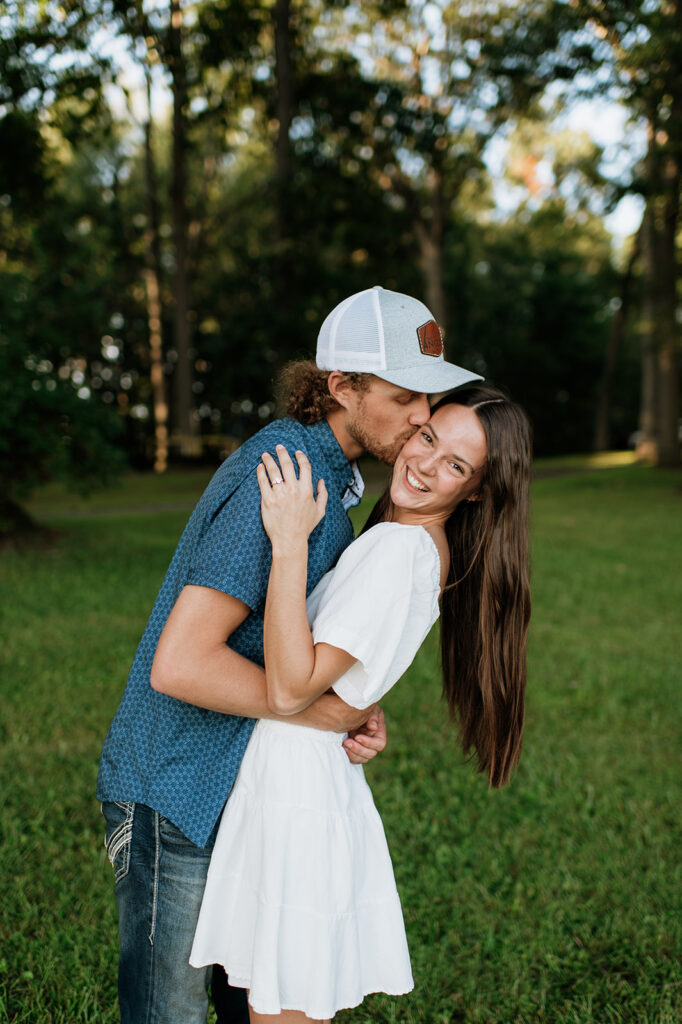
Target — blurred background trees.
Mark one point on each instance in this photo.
(187, 188)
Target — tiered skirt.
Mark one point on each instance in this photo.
(301, 905)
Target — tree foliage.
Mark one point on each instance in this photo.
(286, 180)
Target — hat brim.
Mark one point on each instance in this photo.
(429, 380)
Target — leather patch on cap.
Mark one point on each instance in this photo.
(430, 339)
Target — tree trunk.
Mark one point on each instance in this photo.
(668, 405)
(647, 446)
(429, 234)
(660, 398)
(285, 102)
(185, 421)
(284, 109)
(602, 432)
(15, 522)
(153, 289)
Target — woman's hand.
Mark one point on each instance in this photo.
(289, 509)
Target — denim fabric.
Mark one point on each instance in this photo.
(167, 754)
(160, 877)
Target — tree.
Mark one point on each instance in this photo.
(638, 49)
(50, 290)
(47, 430)
(613, 351)
(308, 151)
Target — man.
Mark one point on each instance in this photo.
(197, 682)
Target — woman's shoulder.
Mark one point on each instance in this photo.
(395, 545)
(394, 534)
(440, 543)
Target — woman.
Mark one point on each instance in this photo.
(300, 904)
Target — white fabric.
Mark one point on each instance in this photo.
(350, 496)
(353, 332)
(378, 604)
(300, 904)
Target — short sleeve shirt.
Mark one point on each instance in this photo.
(177, 758)
(378, 604)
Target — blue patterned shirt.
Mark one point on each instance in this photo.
(177, 758)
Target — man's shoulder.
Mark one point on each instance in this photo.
(280, 430)
(242, 462)
(286, 431)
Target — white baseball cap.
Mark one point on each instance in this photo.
(391, 335)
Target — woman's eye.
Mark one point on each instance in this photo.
(456, 466)
(427, 437)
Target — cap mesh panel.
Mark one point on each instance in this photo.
(358, 324)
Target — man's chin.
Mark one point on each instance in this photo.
(386, 453)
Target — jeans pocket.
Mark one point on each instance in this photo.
(171, 834)
(118, 835)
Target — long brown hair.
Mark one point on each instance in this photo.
(485, 607)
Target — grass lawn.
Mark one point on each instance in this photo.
(557, 900)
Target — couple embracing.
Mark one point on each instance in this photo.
(288, 885)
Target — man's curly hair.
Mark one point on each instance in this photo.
(302, 390)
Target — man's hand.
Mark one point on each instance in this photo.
(366, 735)
(366, 729)
(369, 740)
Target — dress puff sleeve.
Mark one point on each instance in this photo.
(378, 604)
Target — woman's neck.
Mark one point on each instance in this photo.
(413, 517)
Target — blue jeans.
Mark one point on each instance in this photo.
(159, 878)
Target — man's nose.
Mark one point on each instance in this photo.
(420, 411)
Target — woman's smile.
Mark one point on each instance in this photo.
(414, 482)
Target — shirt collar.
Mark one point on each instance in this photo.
(355, 490)
(348, 482)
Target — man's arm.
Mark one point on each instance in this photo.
(193, 663)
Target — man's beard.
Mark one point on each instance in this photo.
(387, 453)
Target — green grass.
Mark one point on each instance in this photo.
(555, 900)
(591, 460)
(131, 490)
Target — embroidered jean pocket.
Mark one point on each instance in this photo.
(118, 835)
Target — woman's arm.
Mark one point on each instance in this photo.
(194, 664)
(296, 670)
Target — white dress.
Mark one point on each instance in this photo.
(300, 904)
